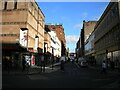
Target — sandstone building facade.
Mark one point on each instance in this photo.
(22, 25)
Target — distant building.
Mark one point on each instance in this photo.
(88, 28)
(59, 30)
(78, 48)
(107, 35)
(55, 47)
(47, 40)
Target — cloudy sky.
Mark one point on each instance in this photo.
(71, 15)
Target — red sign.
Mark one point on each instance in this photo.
(30, 50)
(33, 60)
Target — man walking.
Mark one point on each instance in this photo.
(23, 63)
(42, 64)
(104, 66)
(62, 63)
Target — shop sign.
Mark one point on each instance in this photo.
(23, 37)
(27, 58)
(33, 60)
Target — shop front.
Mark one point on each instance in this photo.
(11, 55)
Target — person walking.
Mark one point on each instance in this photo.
(27, 66)
(52, 61)
(8, 64)
(104, 66)
(62, 63)
(23, 63)
(42, 64)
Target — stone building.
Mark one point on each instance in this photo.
(107, 35)
(47, 40)
(88, 28)
(59, 30)
(78, 53)
(55, 46)
(22, 28)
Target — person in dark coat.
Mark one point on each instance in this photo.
(62, 62)
(62, 65)
(42, 64)
(23, 63)
(104, 66)
(8, 64)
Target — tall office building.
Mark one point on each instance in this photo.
(107, 38)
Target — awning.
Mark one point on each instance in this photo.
(32, 50)
(12, 47)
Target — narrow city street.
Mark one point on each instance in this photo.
(60, 44)
(73, 77)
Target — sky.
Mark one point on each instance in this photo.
(71, 15)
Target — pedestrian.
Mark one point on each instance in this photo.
(8, 64)
(68, 59)
(27, 66)
(52, 61)
(113, 65)
(104, 66)
(62, 65)
(5, 63)
(42, 64)
(23, 63)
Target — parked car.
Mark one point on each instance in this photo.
(82, 62)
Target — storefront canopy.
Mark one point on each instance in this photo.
(13, 47)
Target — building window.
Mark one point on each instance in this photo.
(5, 7)
(15, 4)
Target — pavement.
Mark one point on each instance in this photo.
(33, 70)
(114, 72)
